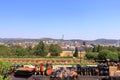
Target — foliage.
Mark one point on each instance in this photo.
(94, 49)
(88, 49)
(118, 49)
(103, 54)
(99, 48)
(2, 78)
(40, 49)
(119, 56)
(4, 67)
(55, 50)
(113, 56)
(92, 55)
(4, 51)
(112, 48)
(107, 54)
(76, 52)
(18, 51)
(30, 50)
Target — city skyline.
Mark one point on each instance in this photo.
(79, 19)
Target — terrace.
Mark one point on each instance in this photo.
(84, 73)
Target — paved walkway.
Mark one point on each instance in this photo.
(39, 77)
(21, 78)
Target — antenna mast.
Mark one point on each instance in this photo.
(62, 37)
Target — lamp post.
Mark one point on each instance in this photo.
(108, 61)
(80, 57)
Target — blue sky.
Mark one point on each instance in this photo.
(75, 19)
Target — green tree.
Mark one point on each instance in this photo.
(119, 55)
(18, 51)
(55, 49)
(88, 49)
(30, 50)
(113, 56)
(112, 48)
(103, 54)
(92, 55)
(98, 48)
(107, 54)
(76, 52)
(5, 51)
(118, 49)
(41, 50)
(94, 49)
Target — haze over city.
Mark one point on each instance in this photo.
(75, 19)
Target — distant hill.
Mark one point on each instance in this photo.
(105, 41)
(97, 41)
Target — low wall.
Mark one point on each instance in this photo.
(79, 78)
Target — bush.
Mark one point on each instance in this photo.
(107, 54)
(2, 78)
(4, 67)
(92, 55)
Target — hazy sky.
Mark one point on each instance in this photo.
(75, 19)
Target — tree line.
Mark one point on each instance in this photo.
(40, 50)
(103, 53)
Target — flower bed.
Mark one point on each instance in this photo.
(43, 60)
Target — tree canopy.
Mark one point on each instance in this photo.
(55, 50)
(76, 52)
(41, 50)
(92, 55)
(107, 54)
(18, 51)
(5, 51)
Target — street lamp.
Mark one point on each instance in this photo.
(80, 56)
(108, 61)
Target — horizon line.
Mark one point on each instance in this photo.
(55, 38)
